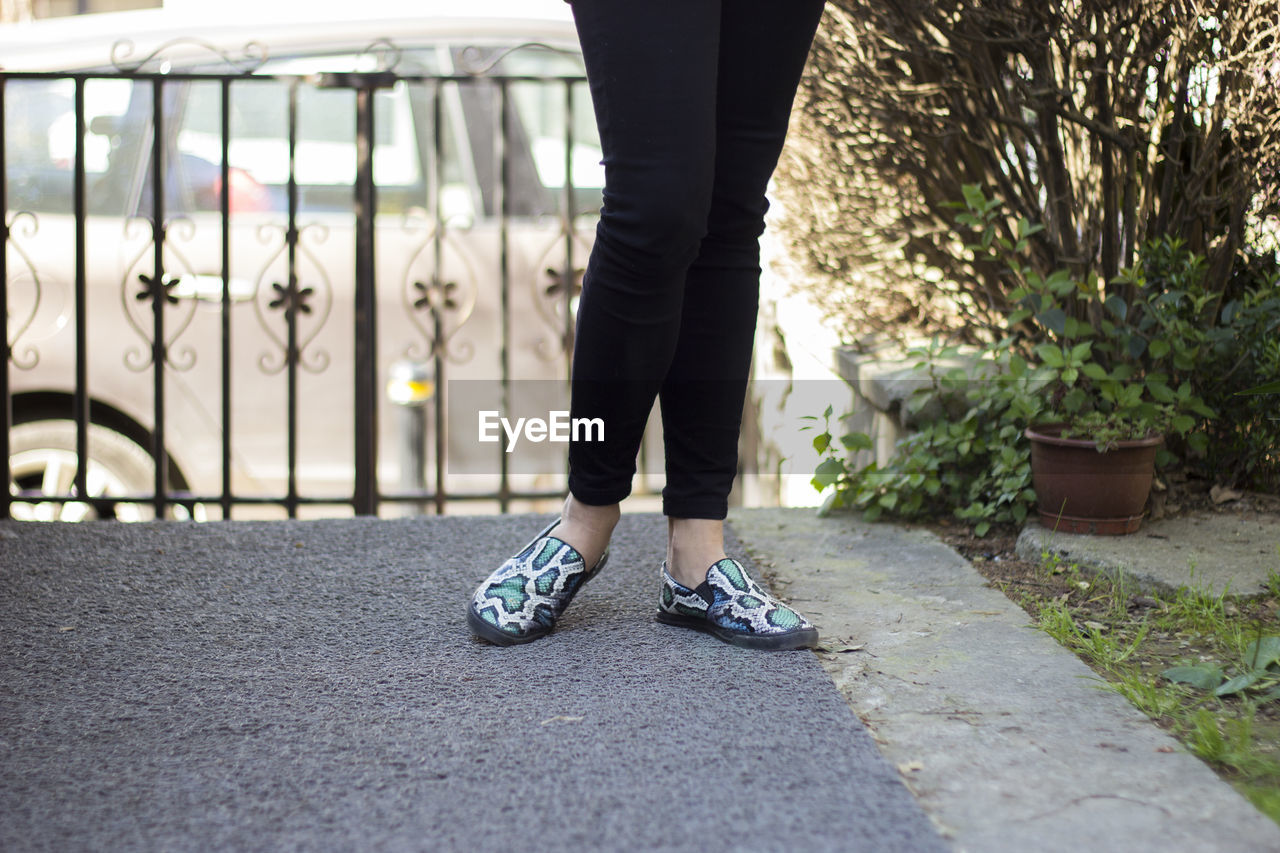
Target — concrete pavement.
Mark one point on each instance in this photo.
(301, 685)
(1004, 736)
(312, 685)
(1220, 551)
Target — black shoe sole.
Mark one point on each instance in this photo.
(801, 639)
(498, 637)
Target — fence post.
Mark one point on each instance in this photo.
(365, 498)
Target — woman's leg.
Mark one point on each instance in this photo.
(762, 50)
(652, 67)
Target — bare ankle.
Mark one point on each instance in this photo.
(587, 528)
(693, 545)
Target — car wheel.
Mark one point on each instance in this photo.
(42, 460)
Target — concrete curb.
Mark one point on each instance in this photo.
(1003, 735)
(1216, 551)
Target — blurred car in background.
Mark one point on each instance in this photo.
(474, 224)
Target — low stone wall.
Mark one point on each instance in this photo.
(883, 380)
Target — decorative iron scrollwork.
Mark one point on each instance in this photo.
(153, 288)
(21, 321)
(477, 62)
(386, 53)
(252, 57)
(157, 294)
(448, 304)
(293, 301)
(550, 297)
(437, 296)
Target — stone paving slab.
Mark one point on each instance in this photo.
(312, 685)
(1004, 736)
(1216, 551)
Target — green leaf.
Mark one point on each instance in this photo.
(1059, 281)
(1122, 372)
(1159, 348)
(1261, 653)
(1160, 391)
(1054, 319)
(1183, 424)
(822, 441)
(1204, 677)
(1050, 355)
(827, 473)
(1094, 370)
(1240, 682)
(974, 197)
(1026, 229)
(1117, 306)
(1266, 388)
(980, 529)
(856, 441)
(1081, 351)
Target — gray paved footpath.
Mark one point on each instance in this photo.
(1006, 738)
(292, 685)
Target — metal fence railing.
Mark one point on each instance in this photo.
(211, 278)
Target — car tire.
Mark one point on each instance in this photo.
(42, 459)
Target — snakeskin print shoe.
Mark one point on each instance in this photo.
(522, 600)
(731, 606)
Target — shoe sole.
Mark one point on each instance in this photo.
(802, 639)
(498, 637)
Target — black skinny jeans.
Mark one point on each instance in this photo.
(692, 98)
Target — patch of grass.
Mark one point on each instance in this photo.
(1196, 609)
(1265, 797)
(1103, 648)
(1231, 743)
(1273, 580)
(1149, 697)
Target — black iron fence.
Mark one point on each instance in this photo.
(347, 243)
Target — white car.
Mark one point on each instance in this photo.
(479, 250)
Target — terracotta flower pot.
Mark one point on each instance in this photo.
(1079, 490)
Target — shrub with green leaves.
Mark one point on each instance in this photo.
(1237, 368)
(976, 466)
(1112, 360)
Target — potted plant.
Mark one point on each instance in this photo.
(1100, 380)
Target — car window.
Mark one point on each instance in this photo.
(40, 133)
(536, 118)
(40, 141)
(324, 156)
(542, 111)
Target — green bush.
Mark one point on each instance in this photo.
(1242, 353)
(976, 467)
(1153, 350)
